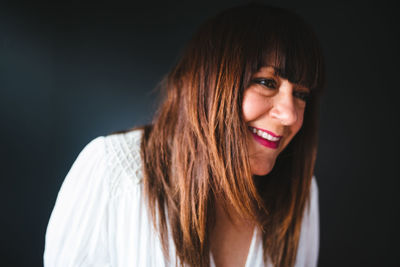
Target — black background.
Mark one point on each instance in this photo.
(70, 72)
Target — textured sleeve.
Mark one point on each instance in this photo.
(77, 231)
(307, 255)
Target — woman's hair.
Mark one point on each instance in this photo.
(195, 151)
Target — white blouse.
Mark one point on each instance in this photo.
(100, 216)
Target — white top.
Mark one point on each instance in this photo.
(100, 217)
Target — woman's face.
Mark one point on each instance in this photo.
(273, 109)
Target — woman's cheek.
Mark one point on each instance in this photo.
(254, 105)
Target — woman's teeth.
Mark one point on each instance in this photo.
(265, 135)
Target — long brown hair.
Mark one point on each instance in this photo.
(195, 151)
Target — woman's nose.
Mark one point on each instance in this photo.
(284, 109)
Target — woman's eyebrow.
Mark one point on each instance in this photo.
(275, 70)
(272, 70)
(302, 87)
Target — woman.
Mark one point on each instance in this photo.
(223, 176)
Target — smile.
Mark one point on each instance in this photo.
(265, 137)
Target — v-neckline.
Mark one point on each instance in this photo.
(249, 253)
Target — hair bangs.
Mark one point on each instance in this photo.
(284, 41)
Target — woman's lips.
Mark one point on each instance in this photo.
(265, 138)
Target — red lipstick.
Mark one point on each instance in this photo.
(267, 138)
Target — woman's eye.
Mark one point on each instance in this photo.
(304, 96)
(269, 83)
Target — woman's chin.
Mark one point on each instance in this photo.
(261, 170)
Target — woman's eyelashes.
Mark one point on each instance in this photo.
(305, 96)
(269, 83)
(272, 85)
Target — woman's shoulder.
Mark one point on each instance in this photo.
(124, 161)
(115, 159)
(104, 180)
(123, 151)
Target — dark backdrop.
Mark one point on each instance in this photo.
(70, 72)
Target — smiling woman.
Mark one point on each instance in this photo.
(273, 109)
(223, 176)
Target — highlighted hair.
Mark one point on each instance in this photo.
(195, 151)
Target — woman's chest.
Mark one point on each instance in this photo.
(133, 241)
(230, 246)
